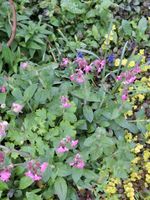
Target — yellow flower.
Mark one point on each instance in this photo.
(148, 141)
(147, 135)
(117, 62)
(128, 137)
(124, 61)
(147, 167)
(146, 155)
(138, 148)
(141, 97)
(144, 79)
(114, 27)
(148, 178)
(134, 176)
(131, 88)
(131, 63)
(143, 59)
(129, 113)
(145, 68)
(141, 52)
(135, 107)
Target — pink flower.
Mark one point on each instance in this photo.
(33, 176)
(99, 64)
(77, 162)
(17, 108)
(62, 149)
(80, 76)
(3, 128)
(74, 143)
(81, 62)
(65, 102)
(5, 175)
(24, 65)
(87, 68)
(44, 167)
(35, 170)
(64, 62)
(2, 89)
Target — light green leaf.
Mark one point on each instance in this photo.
(60, 187)
(88, 113)
(25, 182)
(29, 92)
(142, 25)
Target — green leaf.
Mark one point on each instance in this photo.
(25, 182)
(88, 113)
(95, 33)
(29, 92)
(73, 6)
(126, 27)
(60, 187)
(3, 186)
(2, 98)
(76, 174)
(7, 54)
(142, 25)
(17, 93)
(32, 196)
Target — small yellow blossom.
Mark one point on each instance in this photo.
(146, 155)
(147, 135)
(138, 148)
(117, 62)
(128, 137)
(135, 107)
(135, 176)
(131, 63)
(114, 27)
(141, 97)
(147, 167)
(148, 178)
(129, 113)
(143, 59)
(141, 52)
(124, 61)
(131, 88)
(144, 79)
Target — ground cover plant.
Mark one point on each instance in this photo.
(75, 100)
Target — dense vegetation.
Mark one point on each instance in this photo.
(75, 100)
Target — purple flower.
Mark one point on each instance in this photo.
(78, 77)
(111, 58)
(79, 55)
(99, 64)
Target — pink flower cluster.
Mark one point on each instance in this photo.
(128, 78)
(65, 144)
(3, 128)
(65, 102)
(36, 169)
(17, 108)
(83, 67)
(78, 77)
(77, 162)
(64, 62)
(3, 89)
(5, 175)
(99, 64)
